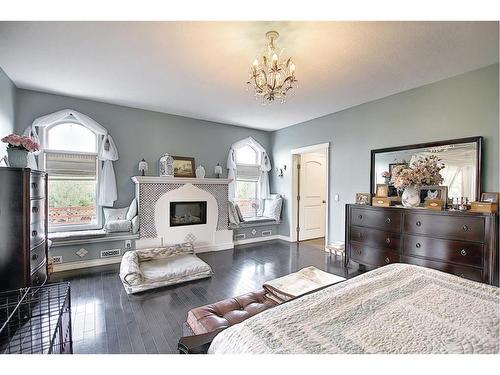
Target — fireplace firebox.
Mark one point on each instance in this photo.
(188, 213)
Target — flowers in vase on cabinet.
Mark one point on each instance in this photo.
(21, 142)
(422, 172)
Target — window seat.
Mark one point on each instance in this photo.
(256, 221)
(86, 236)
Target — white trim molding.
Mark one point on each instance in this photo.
(179, 180)
(263, 239)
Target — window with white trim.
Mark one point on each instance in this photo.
(247, 192)
(70, 159)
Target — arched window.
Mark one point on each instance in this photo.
(247, 193)
(70, 158)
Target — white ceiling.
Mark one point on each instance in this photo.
(199, 69)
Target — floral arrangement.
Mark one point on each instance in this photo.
(422, 172)
(21, 142)
(386, 174)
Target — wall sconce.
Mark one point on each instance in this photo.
(280, 171)
(143, 166)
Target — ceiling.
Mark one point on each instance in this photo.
(199, 69)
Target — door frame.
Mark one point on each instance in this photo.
(323, 147)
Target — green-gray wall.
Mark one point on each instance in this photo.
(7, 108)
(143, 134)
(461, 106)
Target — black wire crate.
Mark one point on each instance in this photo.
(36, 320)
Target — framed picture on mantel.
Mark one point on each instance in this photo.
(184, 166)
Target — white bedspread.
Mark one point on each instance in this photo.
(398, 308)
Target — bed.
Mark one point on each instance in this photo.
(398, 308)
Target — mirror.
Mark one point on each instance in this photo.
(461, 158)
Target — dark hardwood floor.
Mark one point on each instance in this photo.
(107, 320)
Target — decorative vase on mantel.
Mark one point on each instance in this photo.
(17, 158)
(200, 172)
(410, 197)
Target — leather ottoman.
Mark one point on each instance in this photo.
(227, 312)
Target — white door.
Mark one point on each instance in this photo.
(312, 192)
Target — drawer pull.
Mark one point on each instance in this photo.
(387, 240)
(388, 220)
(387, 260)
(34, 257)
(418, 223)
(34, 233)
(34, 185)
(465, 228)
(360, 217)
(34, 210)
(418, 245)
(463, 252)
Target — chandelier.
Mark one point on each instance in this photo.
(272, 77)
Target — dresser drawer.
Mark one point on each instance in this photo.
(37, 210)
(389, 220)
(39, 276)
(467, 253)
(37, 256)
(37, 186)
(452, 227)
(363, 254)
(376, 238)
(37, 233)
(462, 271)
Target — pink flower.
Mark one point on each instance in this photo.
(386, 174)
(21, 142)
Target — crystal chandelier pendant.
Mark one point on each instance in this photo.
(272, 77)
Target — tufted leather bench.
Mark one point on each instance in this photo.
(227, 312)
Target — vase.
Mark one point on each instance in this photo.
(17, 158)
(200, 172)
(410, 197)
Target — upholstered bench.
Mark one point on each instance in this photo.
(227, 312)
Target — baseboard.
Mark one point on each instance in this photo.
(86, 264)
(262, 239)
(218, 247)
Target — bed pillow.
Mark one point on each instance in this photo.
(272, 208)
(132, 210)
(113, 226)
(135, 225)
(115, 214)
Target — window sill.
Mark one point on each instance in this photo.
(87, 236)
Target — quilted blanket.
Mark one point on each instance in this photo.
(398, 308)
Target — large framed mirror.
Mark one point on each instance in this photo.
(461, 159)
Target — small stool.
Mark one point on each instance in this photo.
(338, 248)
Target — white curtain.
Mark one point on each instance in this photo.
(107, 153)
(107, 186)
(265, 166)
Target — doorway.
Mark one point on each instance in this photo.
(310, 195)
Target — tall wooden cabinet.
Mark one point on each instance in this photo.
(461, 243)
(23, 228)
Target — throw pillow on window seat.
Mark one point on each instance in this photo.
(272, 208)
(132, 210)
(238, 212)
(114, 226)
(115, 214)
(233, 215)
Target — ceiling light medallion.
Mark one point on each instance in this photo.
(272, 77)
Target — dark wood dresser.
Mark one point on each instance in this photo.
(23, 228)
(462, 243)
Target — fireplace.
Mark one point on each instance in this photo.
(188, 213)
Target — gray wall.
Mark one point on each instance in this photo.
(461, 106)
(7, 108)
(143, 134)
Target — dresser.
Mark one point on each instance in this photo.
(462, 243)
(23, 228)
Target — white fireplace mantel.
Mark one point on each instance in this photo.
(179, 180)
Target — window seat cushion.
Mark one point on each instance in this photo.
(255, 222)
(58, 237)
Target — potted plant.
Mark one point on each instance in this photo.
(18, 147)
(424, 171)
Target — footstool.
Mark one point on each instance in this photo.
(227, 312)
